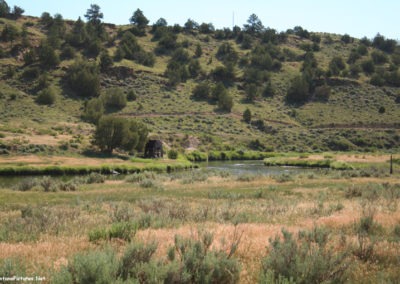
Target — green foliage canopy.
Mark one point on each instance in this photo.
(4, 9)
(83, 78)
(139, 20)
(117, 132)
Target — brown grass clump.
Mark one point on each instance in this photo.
(50, 252)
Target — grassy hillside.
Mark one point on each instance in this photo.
(355, 115)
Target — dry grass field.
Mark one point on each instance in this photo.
(42, 232)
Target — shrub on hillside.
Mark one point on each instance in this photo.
(131, 96)
(46, 96)
(114, 98)
(377, 80)
(336, 65)
(31, 73)
(224, 73)
(223, 97)
(130, 49)
(379, 57)
(202, 91)
(227, 53)
(247, 115)
(346, 39)
(48, 56)
(83, 78)
(368, 66)
(298, 91)
(94, 109)
(322, 93)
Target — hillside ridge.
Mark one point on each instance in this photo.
(304, 91)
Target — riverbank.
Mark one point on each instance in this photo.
(60, 165)
(335, 161)
(197, 156)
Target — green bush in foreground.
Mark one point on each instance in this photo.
(187, 261)
(305, 260)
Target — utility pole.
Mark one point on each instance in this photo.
(391, 164)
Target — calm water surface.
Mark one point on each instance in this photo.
(250, 167)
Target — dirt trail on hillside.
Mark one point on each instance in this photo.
(185, 114)
(374, 126)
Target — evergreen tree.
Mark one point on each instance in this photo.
(191, 26)
(247, 115)
(105, 61)
(254, 25)
(95, 26)
(4, 9)
(78, 35)
(139, 21)
(17, 12)
(198, 51)
(223, 97)
(298, 91)
(93, 14)
(10, 33)
(252, 92)
(48, 56)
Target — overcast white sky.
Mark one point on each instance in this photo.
(357, 18)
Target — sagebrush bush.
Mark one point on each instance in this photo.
(96, 235)
(46, 96)
(246, 177)
(133, 259)
(187, 261)
(10, 267)
(305, 260)
(139, 177)
(285, 177)
(48, 184)
(26, 184)
(92, 267)
(200, 264)
(95, 178)
(121, 230)
(172, 154)
(149, 183)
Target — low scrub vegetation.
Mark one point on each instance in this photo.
(347, 223)
(187, 261)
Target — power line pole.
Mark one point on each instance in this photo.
(391, 164)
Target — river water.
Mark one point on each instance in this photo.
(250, 167)
(233, 167)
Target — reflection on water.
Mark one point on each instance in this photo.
(250, 167)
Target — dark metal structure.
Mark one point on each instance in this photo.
(153, 149)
